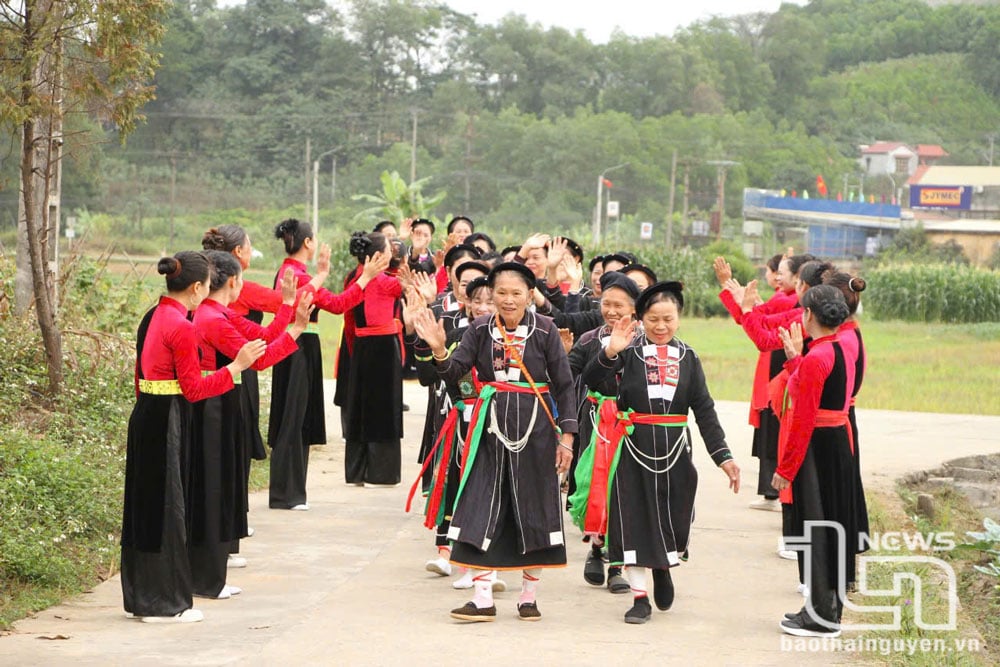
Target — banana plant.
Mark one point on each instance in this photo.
(399, 200)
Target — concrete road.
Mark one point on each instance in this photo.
(344, 584)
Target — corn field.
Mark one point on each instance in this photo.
(933, 293)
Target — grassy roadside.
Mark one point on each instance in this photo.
(976, 634)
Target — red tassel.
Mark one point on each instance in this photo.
(448, 431)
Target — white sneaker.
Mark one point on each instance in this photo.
(439, 566)
(186, 616)
(787, 554)
(803, 590)
(766, 504)
(226, 593)
(236, 561)
(499, 586)
(463, 582)
(303, 507)
(250, 531)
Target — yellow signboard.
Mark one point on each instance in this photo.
(941, 196)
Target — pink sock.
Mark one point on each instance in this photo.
(483, 583)
(529, 582)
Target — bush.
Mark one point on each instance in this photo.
(62, 460)
(933, 293)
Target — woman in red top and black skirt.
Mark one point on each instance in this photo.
(373, 408)
(298, 411)
(155, 574)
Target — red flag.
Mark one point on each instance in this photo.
(821, 185)
(607, 183)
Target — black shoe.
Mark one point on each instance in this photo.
(593, 569)
(803, 626)
(663, 589)
(406, 408)
(470, 612)
(528, 611)
(640, 612)
(793, 614)
(616, 582)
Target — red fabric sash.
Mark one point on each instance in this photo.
(612, 426)
(447, 436)
(391, 328)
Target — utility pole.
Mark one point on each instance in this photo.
(173, 194)
(687, 183)
(722, 166)
(308, 164)
(596, 226)
(670, 205)
(468, 162)
(413, 145)
(992, 139)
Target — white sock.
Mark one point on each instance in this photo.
(637, 580)
(529, 583)
(482, 581)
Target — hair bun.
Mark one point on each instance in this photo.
(359, 244)
(857, 284)
(284, 228)
(169, 267)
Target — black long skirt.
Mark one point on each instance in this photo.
(651, 511)
(374, 411)
(343, 377)
(297, 420)
(155, 574)
(824, 490)
(217, 494)
(250, 403)
(765, 448)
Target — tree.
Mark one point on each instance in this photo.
(399, 200)
(65, 57)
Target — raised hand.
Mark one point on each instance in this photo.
(622, 334)
(533, 241)
(450, 241)
(323, 259)
(405, 228)
(413, 304)
(289, 287)
(431, 330)
(249, 353)
(750, 296)
(566, 336)
(557, 250)
(791, 339)
(723, 271)
(426, 286)
(574, 272)
(303, 311)
(438, 257)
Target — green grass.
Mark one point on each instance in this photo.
(950, 368)
(976, 628)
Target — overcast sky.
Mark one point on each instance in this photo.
(639, 18)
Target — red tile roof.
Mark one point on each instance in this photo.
(931, 150)
(883, 147)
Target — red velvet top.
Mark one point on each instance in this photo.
(379, 306)
(849, 336)
(442, 279)
(808, 377)
(219, 329)
(323, 298)
(255, 296)
(763, 328)
(170, 352)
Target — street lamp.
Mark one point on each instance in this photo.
(596, 229)
(315, 185)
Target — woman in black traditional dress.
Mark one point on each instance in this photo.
(298, 410)
(652, 478)
(155, 574)
(508, 515)
(618, 295)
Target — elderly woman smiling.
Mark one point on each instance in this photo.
(508, 512)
